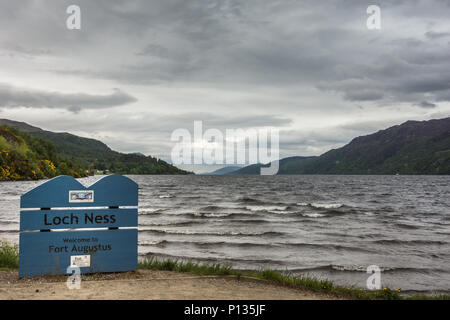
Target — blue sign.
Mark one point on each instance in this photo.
(54, 214)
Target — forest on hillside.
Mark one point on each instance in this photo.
(24, 157)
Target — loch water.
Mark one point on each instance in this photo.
(331, 227)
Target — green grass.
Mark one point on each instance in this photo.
(9, 260)
(9, 255)
(285, 279)
(192, 267)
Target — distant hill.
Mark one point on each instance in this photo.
(221, 171)
(414, 147)
(289, 165)
(92, 154)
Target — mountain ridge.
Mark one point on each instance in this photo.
(94, 155)
(413, 147)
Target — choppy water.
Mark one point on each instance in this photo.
(329, 226)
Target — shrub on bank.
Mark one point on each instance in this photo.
(9, 255)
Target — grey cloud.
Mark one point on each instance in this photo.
(406, 77)
(253, 63)
(363, 95)
(427, 105)
(240, 121)
(355, 89)
(425, 83)
(166, 123)
(154, 50)
(443, 95)
(436, 35)
(23, 52)
(357, 128)
(247, 43)
(11, 97)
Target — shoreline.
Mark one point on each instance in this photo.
(150, 285)
(170, 280)
(145, 284)
(280, 284)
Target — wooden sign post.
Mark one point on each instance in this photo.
(54, 214)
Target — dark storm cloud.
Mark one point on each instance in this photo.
(248, 43)
(11, 97)
(241, 43)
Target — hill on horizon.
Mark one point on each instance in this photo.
(414, 147)
(222, 171)
(286, 166)
(93, 154)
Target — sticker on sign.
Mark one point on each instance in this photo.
(80, 261)
(81, 196)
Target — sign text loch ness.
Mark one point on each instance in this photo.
(63, 203)
(72, 219)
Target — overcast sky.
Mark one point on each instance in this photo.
(137, 70)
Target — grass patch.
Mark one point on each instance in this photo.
(289, 280)
(192, 267)
(425, 297)
(285, 279)
(9, 255)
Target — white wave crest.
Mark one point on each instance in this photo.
(150, 211)
(357, 268)
(326, 205)
(266, 208)
(218, 215)
(303, 204)
(313, 215)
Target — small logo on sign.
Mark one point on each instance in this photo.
(81, 196)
